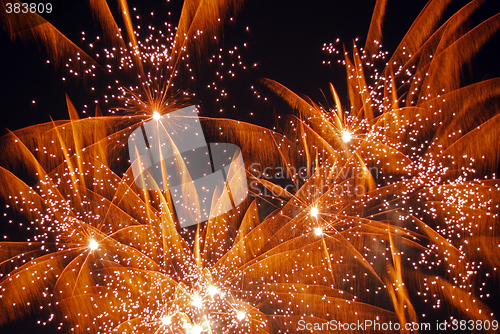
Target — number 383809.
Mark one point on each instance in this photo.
(24, 8)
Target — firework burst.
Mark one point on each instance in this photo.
(395, 222)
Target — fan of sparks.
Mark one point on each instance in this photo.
(396, 220)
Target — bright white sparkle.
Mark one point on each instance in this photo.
(156, 115)
(346, 136)
(314, 212)
(197, 301)
(196, 329)
(166, 320)
(93, 245)
(318, 231)
(240, 315)
(212, 290)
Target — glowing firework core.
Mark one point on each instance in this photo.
(212, 290)
(166, 320)
(196, 329)
(240, 315)
(346, 136)
(318, 231)
(197, 302)
(156, 115)
(93, 245)
(314, 212)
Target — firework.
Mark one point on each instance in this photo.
(395, 222)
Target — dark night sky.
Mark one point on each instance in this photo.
(285, 39)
